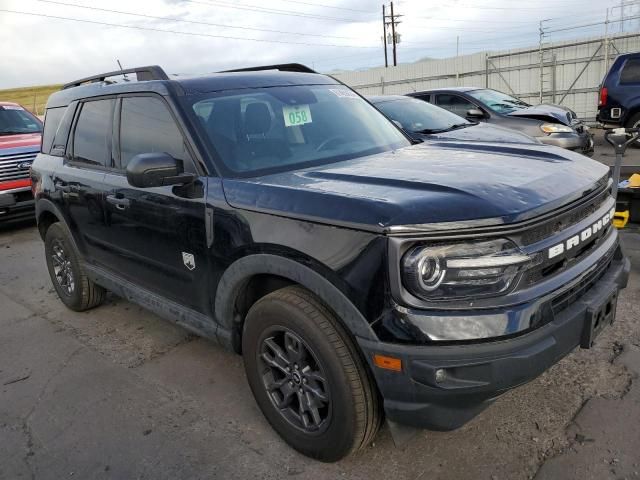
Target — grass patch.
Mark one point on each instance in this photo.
(33, 99)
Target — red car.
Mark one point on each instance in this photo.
(20, 134)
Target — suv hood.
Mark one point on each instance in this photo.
(547, 113)
(481, 132)
(427, 183)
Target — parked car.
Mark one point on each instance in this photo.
(619, 104)
(424, 121)
(551, 124)
(359, 276)
(20, 133)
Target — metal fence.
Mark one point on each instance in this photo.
(568, 73)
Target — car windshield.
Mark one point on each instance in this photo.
(273, 129)
(497, 101)
(15, 120)
(418, 116)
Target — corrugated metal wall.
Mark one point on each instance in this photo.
(572, 73)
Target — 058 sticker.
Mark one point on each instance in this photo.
(296, 115)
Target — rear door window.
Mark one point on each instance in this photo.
(146, 126)
(631, 71)
(92, 137)
(455, 104)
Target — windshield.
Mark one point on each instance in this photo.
(274, 129)
(418, 116)
(497, 101)
(15, 120)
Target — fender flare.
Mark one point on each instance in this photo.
(45, 205)
(239, 273)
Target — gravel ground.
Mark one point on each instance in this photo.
(118, 393)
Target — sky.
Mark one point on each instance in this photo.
(56, 41)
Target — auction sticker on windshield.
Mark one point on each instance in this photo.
(296, 115)
(344, 93)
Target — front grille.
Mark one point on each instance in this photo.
(15, 167)
(567, 298)
(564, 220)
(547, 269)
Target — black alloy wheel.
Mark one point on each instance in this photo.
(294, 380)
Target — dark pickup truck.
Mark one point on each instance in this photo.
(361, 275)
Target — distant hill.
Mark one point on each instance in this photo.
(33, 99)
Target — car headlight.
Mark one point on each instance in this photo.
(555, 128)
(455, 271)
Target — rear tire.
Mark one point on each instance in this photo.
(308, 377)
(634, 122)
(71, 283)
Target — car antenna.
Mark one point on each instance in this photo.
(126, 79)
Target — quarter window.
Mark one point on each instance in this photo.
(147, 126)
(92, 138)
(51, 123)
(631, 71)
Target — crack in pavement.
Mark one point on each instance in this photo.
(575, 431)
(26, 425)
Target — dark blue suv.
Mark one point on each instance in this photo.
(360, 276)
(619, 103)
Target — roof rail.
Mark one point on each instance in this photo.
(283, 67)
(152, 72)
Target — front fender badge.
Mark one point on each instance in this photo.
(188, 260)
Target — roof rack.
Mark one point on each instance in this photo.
(283, 67)
(152, 72)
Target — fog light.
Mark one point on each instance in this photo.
(441, 375)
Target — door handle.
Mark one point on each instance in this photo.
(119, 203)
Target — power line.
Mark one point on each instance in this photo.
(327, 6)
(189, 21)
(272, 11)
(192, 34)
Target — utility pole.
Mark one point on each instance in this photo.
(621, 16)
(394, 38)
(384, 36)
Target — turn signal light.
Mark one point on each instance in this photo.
(388, 363)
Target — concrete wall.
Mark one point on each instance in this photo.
(512, 71)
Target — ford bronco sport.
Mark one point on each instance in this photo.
(20, 133)
(276, 211)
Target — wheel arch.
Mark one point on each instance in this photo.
(46, 215)
(250, 278)
(633, 110)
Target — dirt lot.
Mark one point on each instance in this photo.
(118, 393)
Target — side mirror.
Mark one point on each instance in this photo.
(156, 170)
(475, 113)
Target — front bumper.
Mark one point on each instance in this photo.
(579, 142)
(16, 205)
(477, 373)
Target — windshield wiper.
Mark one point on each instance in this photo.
(427, 131)
(460, 125)
(455, 126)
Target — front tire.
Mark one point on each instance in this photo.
(74, 288)
(307, 376)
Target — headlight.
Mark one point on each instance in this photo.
(555, 128)
(454, 271)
